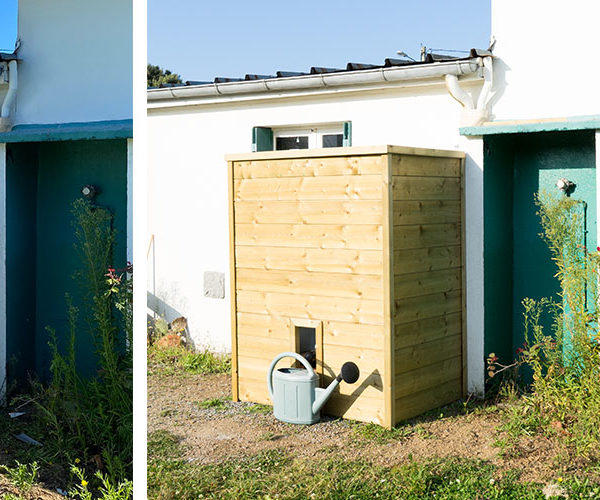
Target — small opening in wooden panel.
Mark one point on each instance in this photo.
(307, 340)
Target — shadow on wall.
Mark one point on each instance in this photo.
(161, 308)
(500, 70)
(345, 402)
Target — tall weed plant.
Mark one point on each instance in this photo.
(90, 418)
(564, 354)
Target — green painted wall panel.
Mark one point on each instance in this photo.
(21, 182)
(535, 162)
(498, 243)
(43, 180)
(64, 168)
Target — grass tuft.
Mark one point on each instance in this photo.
(174, 360)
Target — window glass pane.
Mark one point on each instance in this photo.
(333, 140)
(297, 142)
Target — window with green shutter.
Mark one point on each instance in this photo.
(323, 135)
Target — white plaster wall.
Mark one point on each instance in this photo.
(76, 61)
(546, 65)
(3, 359)
(188, 196)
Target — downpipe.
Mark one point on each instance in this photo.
(10, 98)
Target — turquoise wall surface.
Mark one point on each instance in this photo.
(517, 262)
(60, 170)
(21, 193)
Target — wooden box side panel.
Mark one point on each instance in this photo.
(428, 283)
(308, 245)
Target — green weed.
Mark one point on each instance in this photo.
(173, 360)
(259, 408)
(215, 403)
(563, 357)
(163, 444)
(22, 476)
(379, 434)
(105, 491)
(91, 417)
(274, 474)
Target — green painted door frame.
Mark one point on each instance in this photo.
(42, 181)
(517, 262)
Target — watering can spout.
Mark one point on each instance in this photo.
(322, 395)
(349, 374)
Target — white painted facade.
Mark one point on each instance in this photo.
(545, 64)
(543, 69)
(188, 197)
(75, 61)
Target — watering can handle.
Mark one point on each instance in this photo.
(294, 355)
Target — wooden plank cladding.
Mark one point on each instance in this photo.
(309, 167)
(344, 187)
(366, 243)
(428, 281)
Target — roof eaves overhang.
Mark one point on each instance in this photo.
(316, 83)
(560, 124)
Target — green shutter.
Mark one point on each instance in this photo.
(262, 139)
(347, 141)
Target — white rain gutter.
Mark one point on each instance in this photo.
(473, 114)
(10, 98)
(322, 80)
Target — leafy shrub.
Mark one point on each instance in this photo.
(564, 358)
(92, 416)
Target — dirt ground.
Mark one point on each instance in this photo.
(36, 492)
(214, 435)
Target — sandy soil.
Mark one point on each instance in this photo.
(37, 492)
(214, 435)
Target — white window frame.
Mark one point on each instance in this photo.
(314, 133)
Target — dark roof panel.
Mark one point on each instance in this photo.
(388, 63)
(258, 77)
(286, 74)
(224, 79)
(358, 66)
(430, 58)
(5, 56)
(316, 70)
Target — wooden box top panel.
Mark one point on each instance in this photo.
(344, 151)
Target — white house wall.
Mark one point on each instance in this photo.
(546, 65)
(76, 61)
(188, 198)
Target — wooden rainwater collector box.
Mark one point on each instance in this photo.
(357, 252)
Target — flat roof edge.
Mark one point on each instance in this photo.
(343, 151)
(73, 131)
(527, 126)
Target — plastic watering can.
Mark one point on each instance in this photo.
(296, 397)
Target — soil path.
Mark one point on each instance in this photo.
(236, 430)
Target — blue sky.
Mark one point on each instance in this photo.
(203, 39)
(8, 24)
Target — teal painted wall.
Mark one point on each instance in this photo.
(21, 182)
(62, 169)
(498, 244)
(517, 261)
